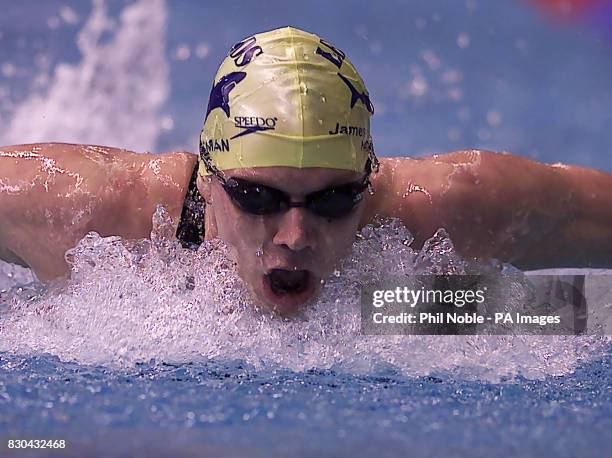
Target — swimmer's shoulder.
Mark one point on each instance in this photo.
(166, 179)
(125, 180)
(52, 194)
(428, 192)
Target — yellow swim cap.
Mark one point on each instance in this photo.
(286, 98)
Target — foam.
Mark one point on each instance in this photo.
(116, 82)
(133, 301)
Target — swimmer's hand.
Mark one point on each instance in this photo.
(497, 205)
(52, 194)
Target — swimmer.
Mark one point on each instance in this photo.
(286, 176)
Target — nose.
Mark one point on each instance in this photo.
(294, 230)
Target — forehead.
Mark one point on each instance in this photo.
(295, 180)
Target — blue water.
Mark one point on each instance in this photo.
(305, 388)
(235, 410)
(443, 76)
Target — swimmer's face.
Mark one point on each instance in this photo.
(283, 257)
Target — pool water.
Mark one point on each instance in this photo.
(149, 350)
(128, 357)
(231, 409)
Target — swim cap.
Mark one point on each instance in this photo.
(286, 98)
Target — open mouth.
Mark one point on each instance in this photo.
(288, 281)
(288, 287)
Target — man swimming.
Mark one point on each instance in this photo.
(286, 160)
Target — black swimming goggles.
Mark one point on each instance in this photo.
(258, 199)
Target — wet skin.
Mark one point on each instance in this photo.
(512, 208)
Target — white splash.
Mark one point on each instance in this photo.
(113, 95)
(131, 301)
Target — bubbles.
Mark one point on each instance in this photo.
(452, 77)
(130, 301)
(167, 123)
(463, 40)
(202, 50)
(68, 15)
(8, 70)
(431, 59)
(494, 118)
(53, 22)
(182, 52)
(122, 76)
(418, 86)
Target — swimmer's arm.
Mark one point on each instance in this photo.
(530, 214)
(52, 194)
